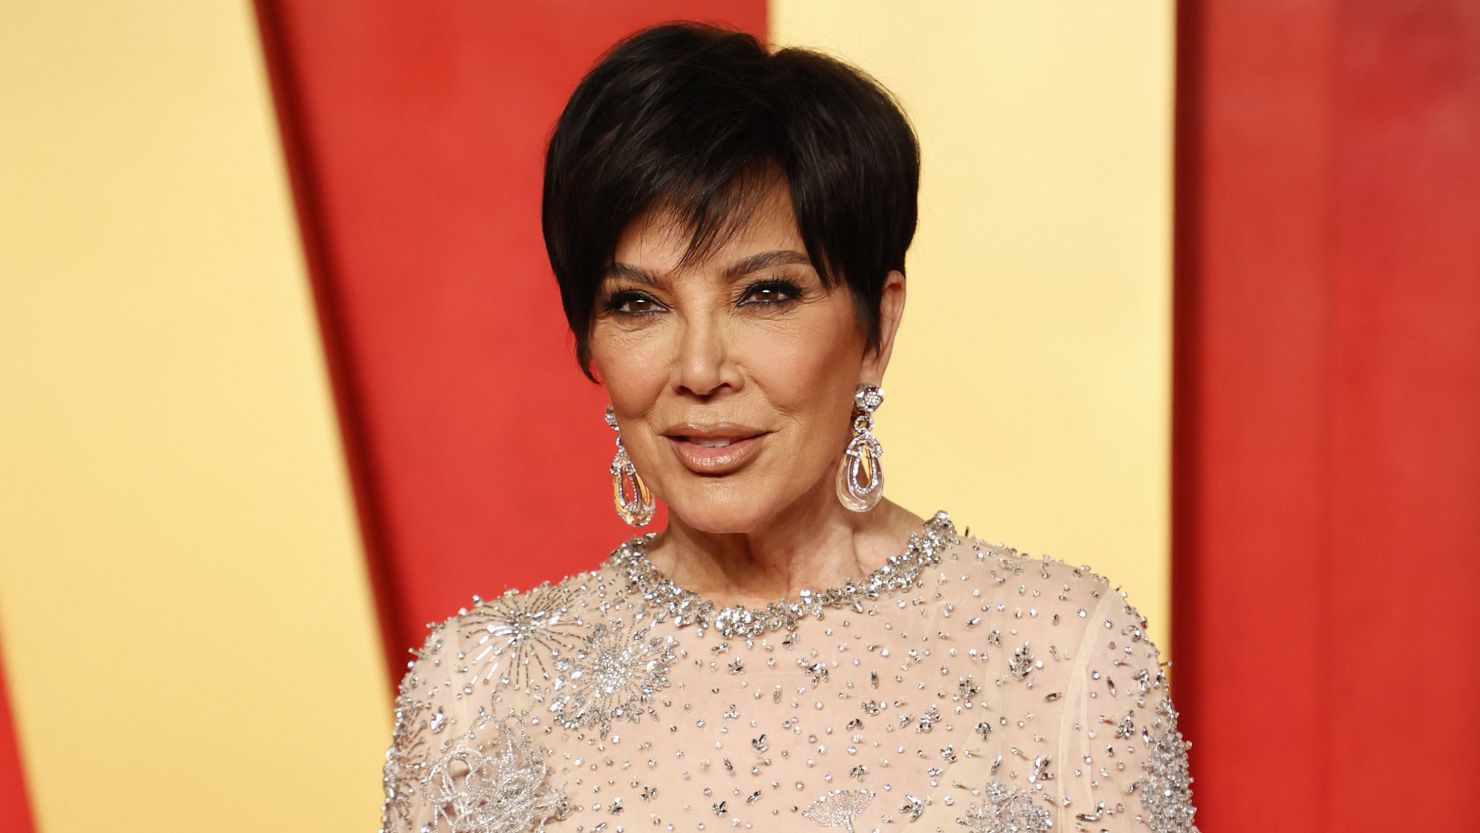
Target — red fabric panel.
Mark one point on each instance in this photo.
(15, 807)
(1327, 412)
(415, 136)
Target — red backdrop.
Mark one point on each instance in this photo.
(15, 806)
(1327, 412)
(415, 135)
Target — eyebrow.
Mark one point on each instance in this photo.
(744, 266)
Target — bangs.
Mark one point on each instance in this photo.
(711, 211)
(698, 125)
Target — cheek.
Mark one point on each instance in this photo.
(808, 371)
(632, 367)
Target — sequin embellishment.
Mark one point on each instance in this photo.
(899, 572)
(613, 674)
(1166, 791)
(1006, 810)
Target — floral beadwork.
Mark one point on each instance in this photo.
(493, 780)
(613, 674)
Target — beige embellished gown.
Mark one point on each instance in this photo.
(962, 686)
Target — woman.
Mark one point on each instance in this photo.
(795, 651)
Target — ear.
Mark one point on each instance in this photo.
(891, 311)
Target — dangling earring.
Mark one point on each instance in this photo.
(636, 510)
(861, 474)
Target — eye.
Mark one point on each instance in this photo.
(631, 303)
(773, 291)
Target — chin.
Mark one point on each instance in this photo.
(743, 503)
(721, 508)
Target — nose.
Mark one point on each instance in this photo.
(702, 366)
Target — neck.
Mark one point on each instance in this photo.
(814, 543)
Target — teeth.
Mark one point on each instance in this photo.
(711, 442)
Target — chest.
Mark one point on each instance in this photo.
(858, 724)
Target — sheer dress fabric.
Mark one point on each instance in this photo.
(963, 686)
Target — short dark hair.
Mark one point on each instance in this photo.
(699, 119)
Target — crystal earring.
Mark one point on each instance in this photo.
(633, 499)
(861, 474)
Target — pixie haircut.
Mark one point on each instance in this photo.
(700, 121)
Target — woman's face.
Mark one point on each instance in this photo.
(733, 381)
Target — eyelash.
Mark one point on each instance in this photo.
(619, 298)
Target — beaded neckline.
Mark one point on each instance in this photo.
(686, 607)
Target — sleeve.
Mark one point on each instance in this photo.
(421, 710)
(461, 758)
(1126, 766)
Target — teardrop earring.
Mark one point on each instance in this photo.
(861, 474)
(633, 500)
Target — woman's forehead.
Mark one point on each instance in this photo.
(659, 240)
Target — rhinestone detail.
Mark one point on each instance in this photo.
(686, 607)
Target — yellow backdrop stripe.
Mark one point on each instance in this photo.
(189, 636)
(1030, 387)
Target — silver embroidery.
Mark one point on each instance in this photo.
(838, 808)
(1166, 791)
(1006, 810)
(403, 761)
(515, 630)
(496, 785)
(405, 758)
(613, 674)
(899, 572)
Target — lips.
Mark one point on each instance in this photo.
(718, 451)
(711, 442)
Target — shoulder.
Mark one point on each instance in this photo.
(507, 646)
(986, 564)
(464, 726)
(1091, 619)
(1107, 676)
(992, 575)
